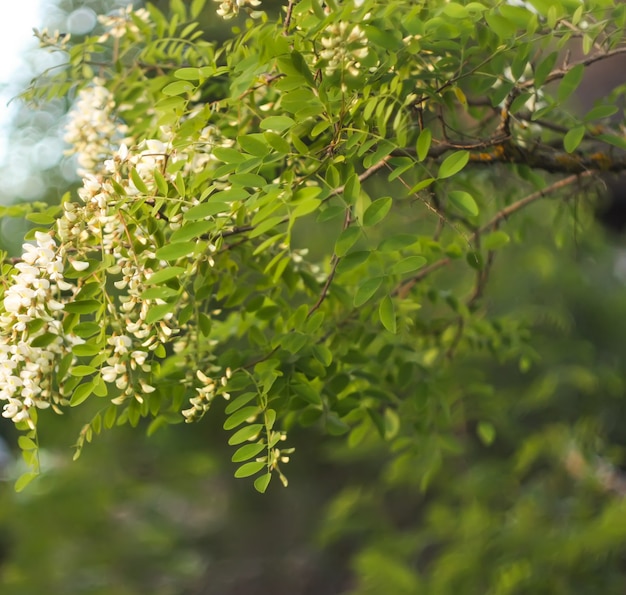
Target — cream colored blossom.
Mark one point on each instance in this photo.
(230, 8)
(119, 23)
(344, 45)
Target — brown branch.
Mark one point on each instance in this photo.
(333, 268)
(559, 73)
(500, 150)
(370, 171)
(288, 17)
(403, 289)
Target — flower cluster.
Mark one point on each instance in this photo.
(120, 23)
(53, 40)
(31, 335)
(102, 223)
(92, 130)
(344, 45)
(230, 8)
(206, 393)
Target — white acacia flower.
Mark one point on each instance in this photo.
(230, 8)
(92, 129)
(120, 343)
(119, 23)
(344, 45)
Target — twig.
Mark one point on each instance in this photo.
(370, 171)
(403, 289)
(288, 17)
(334, 262)
(561, 72)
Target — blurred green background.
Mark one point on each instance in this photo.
(532, 502)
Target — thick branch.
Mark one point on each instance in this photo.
(499, 150)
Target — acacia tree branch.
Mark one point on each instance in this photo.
(405, 287)
(501, 150)
(370, 171)
(288, 16)
(334, 262)
(559, 73)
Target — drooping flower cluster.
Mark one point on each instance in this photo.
(92, 129)
(54, 40)
(102, 223)
(206, 393)
(120, 23)
(345, 45)
(31, 335)
(230, 8)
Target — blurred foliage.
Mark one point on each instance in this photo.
(497, 470)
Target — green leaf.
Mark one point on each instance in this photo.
(377, 211)
(352, 260)
(306, 207)
(228, 155)
(453, 164)
(83, 307)
(387, 314)
(86, 349)
(463, 201)
(495, 240)
(23, 480)
(423, 144)
(261, 483)
(247, 451)
(26, 443)
(165, 275)
(391, 423)
(600, 112)
(352, 189)
(81, 371)
(175, 250)
(486, 433)
(81, 393)
(308, 393)
(408, 265)
(569, 83)
(573, 138)
(87, 329)
(206, 209)
(44, 340)
(277, 142)
(254, 144)
(196, 8)
(501, 26)
(346, 240)
(367, 290)
(239, 402)
(138, 182)
(158, 312)
(277, 123)
(188, 74)
(248, 433)
(178, 88)
(241, 415)
(613, 139)
(249, 469)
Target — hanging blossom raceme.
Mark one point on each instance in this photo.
(32, 340)
(92, 130)
(102, 224)
(120, 23)
(345, 45)
(230, 8)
